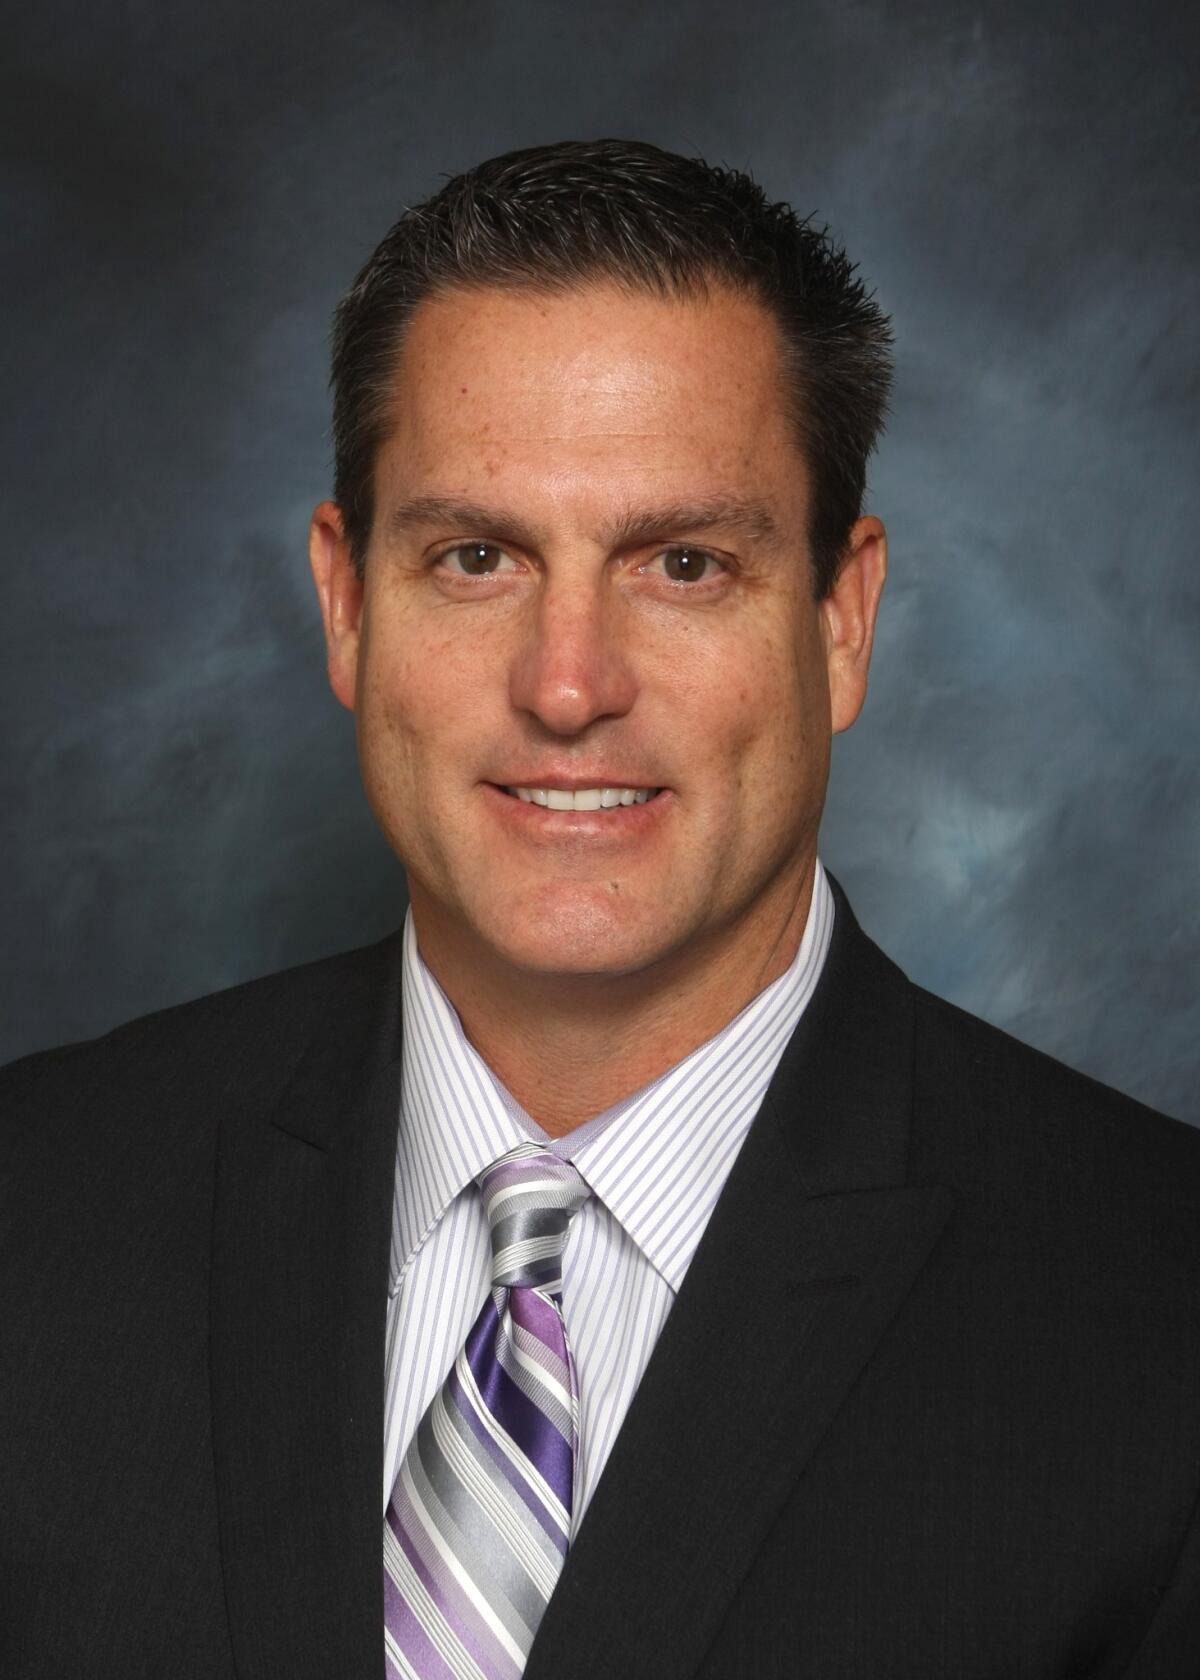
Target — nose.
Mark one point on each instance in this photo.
(570, 669)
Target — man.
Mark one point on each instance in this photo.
(624, 1270)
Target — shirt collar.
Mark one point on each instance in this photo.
(453, 1120)
(456, 1118)
(693, 1119)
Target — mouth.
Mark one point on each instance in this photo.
(582, 799)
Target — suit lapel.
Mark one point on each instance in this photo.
(813, 1247)
(300, 1265)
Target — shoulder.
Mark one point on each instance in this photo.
(191, 1058)
(986, 1109)
(1054, 1154)
(968, 1055)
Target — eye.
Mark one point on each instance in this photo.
(476, 559)
(684, 564)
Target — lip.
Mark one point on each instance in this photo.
(618, 825)
(570, 781)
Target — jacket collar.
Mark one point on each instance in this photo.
(299, 1290)
(809, 1255)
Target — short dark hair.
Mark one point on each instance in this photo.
(556, 217)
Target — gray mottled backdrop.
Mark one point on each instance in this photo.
(186, 190)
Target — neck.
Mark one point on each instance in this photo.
(567, 1049)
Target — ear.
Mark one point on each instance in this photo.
(340, 592)
(848, 615)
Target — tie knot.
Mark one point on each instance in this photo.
(530, 1198)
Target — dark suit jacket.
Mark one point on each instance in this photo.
(928, 1404)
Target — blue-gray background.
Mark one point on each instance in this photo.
(188, 188)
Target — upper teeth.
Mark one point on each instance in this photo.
(582, 799)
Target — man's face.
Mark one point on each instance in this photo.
(589, 571)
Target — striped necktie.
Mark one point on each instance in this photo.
(480, 1516)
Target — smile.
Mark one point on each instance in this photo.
(582, 799)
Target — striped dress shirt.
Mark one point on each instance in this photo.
(656, 1163)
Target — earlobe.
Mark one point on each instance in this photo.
(850, 610)
(340, 595)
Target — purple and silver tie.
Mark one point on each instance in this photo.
(480, 1516)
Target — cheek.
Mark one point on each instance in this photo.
(766, 701)
(394, 711)
(419, 689)
(771, 720)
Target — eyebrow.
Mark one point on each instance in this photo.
(747, 516)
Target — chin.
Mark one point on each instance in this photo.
(590, 934)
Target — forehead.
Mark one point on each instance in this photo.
(590, 386)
